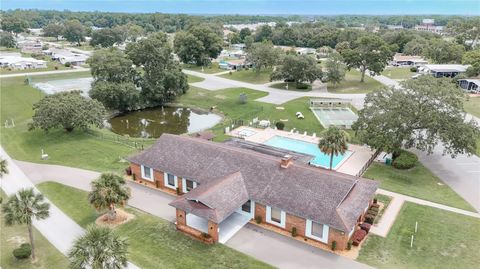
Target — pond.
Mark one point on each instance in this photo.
(152, 123)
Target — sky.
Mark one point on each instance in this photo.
(291, 7)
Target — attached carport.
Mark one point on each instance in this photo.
(226, 229)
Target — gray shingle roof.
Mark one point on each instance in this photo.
(301, 190)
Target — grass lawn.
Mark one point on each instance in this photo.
(417, 182)
(292, 86)
(472, 106)
(193, 79)
(153, 242)
(400, 73)
(77, 149)
(443, 240)
(212, 69)
(250, 76)
(226, 102)
(47, 256)
(385, 200)
(352, 84)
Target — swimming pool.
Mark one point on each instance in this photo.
(296, 145)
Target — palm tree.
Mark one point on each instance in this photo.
(99, 248)
(22, 207)
(3, 167)
(334, 141)
(108, 191)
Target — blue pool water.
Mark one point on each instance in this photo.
(320, 159)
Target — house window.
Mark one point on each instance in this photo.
(147, 173)
(276, 216)
(170, 181)
(188, 185)
(317, 231)
(247, 207)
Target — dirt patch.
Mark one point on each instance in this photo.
(122, 217)
(18, 240)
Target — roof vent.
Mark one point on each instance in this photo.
(286, 161)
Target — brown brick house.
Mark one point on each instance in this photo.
(224, 184)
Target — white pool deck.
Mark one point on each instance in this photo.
(351, 166)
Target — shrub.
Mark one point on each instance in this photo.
(178, 191)
(302, 86)
(294, 231)
(366, 227)
(56, 67)
(358, 237)
(128, 171)
(375, 200)
(242, 98)
(375, 206)
(68, 64)
(372, 212)
(134, 177)
(349, 245)
(23, 252)
(369, 218)
(406, 160)
(280, 125)
(258, 219)
(334, 245)
(413, 69)
(206, 235)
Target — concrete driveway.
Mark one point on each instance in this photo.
(284, 252)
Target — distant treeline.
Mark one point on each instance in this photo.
(174, 22)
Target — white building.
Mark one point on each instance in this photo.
(443, 70)
(407, 60)
(428, 25)
(30, 46)
(470, 85)
(67, 56)
(16, 61)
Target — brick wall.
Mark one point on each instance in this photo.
(158, 177)
(181, 217)
(294, 221)
(260, 210)
(339, 236)
(213, 230)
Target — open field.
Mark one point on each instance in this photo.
(153, 242)
(76, 149)
(47, 256)
(399, 73)
(416, 182)
(472, 106)
(250, 76)
(352, 84)
(444, 240)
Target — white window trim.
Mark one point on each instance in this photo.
(165, 181)
(351, 232)
(252, 210)
(184, 184)
(282, 217)
(308, 232)
(142, 168)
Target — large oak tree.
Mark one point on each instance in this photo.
(421, 114)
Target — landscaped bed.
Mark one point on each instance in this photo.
(444, 240)
(153, 242)
(47, 256)
(417, 182)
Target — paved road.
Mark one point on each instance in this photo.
(264, 245)
(77, 69)
(59, 229)
(275, 96)
(462, 173)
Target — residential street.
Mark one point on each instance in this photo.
(59, 229)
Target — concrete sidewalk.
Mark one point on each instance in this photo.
(58, 229)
